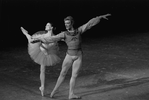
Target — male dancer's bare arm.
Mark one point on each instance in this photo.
(92, 23)
(57, 37)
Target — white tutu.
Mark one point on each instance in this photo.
(49, 59)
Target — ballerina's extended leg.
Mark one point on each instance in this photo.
(26, 34)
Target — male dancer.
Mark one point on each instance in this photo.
(73, 57)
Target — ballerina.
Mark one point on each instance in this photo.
(41, 51)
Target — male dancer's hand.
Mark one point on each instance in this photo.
(105, 16)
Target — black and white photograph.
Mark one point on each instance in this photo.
(74, 50)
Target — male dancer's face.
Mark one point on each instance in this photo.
(68, 24)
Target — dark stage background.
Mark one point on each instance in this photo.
(128, 17)
(115, 52)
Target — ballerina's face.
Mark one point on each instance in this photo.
(48, 27)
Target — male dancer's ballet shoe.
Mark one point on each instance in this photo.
(52, 94)
(74, 97)
(41, 90)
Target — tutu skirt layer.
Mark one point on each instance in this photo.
(40, 57)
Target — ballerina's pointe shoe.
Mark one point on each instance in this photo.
(41, 90)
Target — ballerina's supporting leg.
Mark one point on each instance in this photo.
(42, 79)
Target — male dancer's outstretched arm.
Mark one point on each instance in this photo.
(57, 37)
(92, 23)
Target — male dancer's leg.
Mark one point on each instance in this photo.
(42, 79)
(67, 63)
(75, 69)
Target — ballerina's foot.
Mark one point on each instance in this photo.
(41, 90)
(74, 97)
